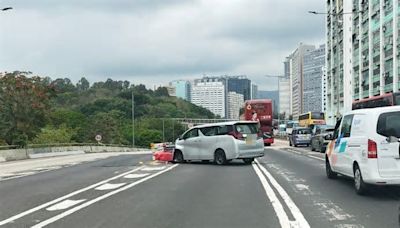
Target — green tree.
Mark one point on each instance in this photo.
(83, 84)
(24, 102)
(49, 135)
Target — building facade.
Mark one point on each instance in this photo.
(362, 51)
(239, 84)
(235, 103)
(254, 91)
(182, 89)
(284, 97)
(210, 95)
(296, 65)
(314, 61)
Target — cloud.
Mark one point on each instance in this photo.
(155, 40)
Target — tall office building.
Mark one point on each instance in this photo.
(235, 103)
(296, 65)
(254, 91)
(211, 95)
(362, 51)
(182, 89)
(239, 84)
(314, 61)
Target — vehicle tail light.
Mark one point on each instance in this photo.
(372, 149)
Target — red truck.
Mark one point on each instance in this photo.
(261, 110)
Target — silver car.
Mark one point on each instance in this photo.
(220, 142)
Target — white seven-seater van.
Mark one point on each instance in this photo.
(365, 146)
(220, 142)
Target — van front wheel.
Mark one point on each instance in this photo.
(219, 157)
(248, 161)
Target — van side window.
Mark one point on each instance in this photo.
(191, 134)
(389, 124)
(346, 126)
(209, 131)
(224, 130)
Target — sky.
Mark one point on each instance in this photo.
(155, 41)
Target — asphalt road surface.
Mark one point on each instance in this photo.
(285, 188)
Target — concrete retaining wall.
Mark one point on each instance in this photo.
(19, 154)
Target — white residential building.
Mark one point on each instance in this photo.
(362, 51)
(235, 103)
(284, 97)
(210, 95)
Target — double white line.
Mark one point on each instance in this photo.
(299, 221)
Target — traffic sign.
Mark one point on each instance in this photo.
(98, 138)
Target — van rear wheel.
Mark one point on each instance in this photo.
(248, 161)
(219, 157)
(359, 184)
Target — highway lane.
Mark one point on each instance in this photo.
(26, 192)
(330, 203)
(285, 188)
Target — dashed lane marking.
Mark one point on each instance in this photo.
(20, 215)
(109, 186)
(153, 168)
(88, 203)
(136, 175)
(64, 205)
(315, 157)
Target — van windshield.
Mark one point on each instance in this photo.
(247, 128)
(389, 124)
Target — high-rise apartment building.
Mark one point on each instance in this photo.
(314, 61)
(235, 103)
(362, 51)
(182, 89)
(211, 95)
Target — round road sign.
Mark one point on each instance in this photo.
(98, 138)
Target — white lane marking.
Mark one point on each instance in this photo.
(302, 187)
(64, 205)
(136, 175)
(301, 221)
(15, 217)
(312, 156)
(276, 204)
(293, 151)
(88, 203)
(333, 212)
(109, 186)
(153, 168)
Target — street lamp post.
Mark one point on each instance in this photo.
(336, 15)
(133, 120)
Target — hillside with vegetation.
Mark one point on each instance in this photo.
(39, 110)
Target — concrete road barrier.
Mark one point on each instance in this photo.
(20, 154)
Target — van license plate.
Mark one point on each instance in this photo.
(249, 141)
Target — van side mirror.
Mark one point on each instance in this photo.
(392, 139)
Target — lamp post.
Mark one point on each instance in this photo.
(133, 120)
(339, 21)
